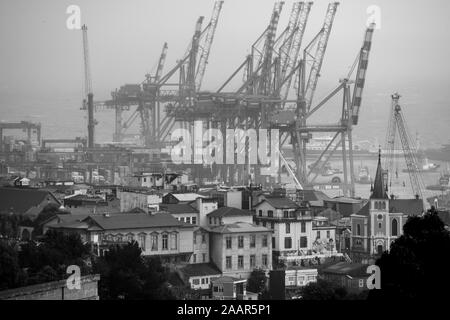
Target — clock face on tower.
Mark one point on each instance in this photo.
(380, 217)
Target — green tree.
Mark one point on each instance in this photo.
(417, 263)
(257, 281)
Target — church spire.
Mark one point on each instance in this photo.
(379, 189)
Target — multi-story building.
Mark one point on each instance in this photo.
(291, 225)
(158, 234)
(380, 221)
(237, 246)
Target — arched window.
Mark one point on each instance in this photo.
(394, 227)
(358, 229)
(384, 205)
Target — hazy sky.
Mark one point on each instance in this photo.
(40, 57)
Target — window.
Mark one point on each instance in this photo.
(194, 258)
(318, 235)
(196, 282)
(228, 241)
(173, 241)
(130, 237)
(240, 262)
(215, 220)
(188, 219)
(165, 241)
(264, 241)
(270, 213)
(228, 262)
(154, 242)
(210, 220)
(252, 241)
(203, 238)
(288, 243)
(328, 234)
(260, 213)
(286, 214)
(379, 225)
(303, 242)
(264, 223)
(252, 261)
(303, 227)
(273, 242)
(119, 238)
(380, 217)
(203, 280)
(264, 260)
(272, 225)
(142, 241)
(383, 205)
(204, 257)
(240, 241)
(288, 228)
(358, 229)
(194, 220)
(394, 227)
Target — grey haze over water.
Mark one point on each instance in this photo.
(41, 60)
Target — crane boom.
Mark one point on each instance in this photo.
(361, 73)
(291, 172)
(319, 54)
(162, 60)
(207, 45)
(297, 42)
(409, 151)
(88, 101)
(264, 80)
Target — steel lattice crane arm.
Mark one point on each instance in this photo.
(162, 60)
(264, 79)
(290, 64)
(286, 48)
(322, 41)
(409, 150)
(361, 73)
(207, 45)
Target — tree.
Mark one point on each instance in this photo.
(323, 290)
(9, 266)
(417, 263)
(125, 274)
(256, 283)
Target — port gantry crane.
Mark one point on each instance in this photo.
(398, 126)
(300, 131)
(154, 91)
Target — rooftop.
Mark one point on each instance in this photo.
(280, 203)
(238, 227)
(177, 208)
(229, 212)
(21, 200)
(200, 269)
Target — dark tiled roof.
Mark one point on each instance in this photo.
(344, 268)
(229, 212)
(330, 214)
(200, 269)
(137, 221)
(412, 207)
(178, 208)
(280, 203)
(20, 200)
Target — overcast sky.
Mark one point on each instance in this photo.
(40, 58)
(39, 54)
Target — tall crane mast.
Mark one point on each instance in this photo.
(88, 101)
(190, 76)
(322, 41)
(162, 60)
(296, 44)
(361, 73)
(397, 123)
(207, 45)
